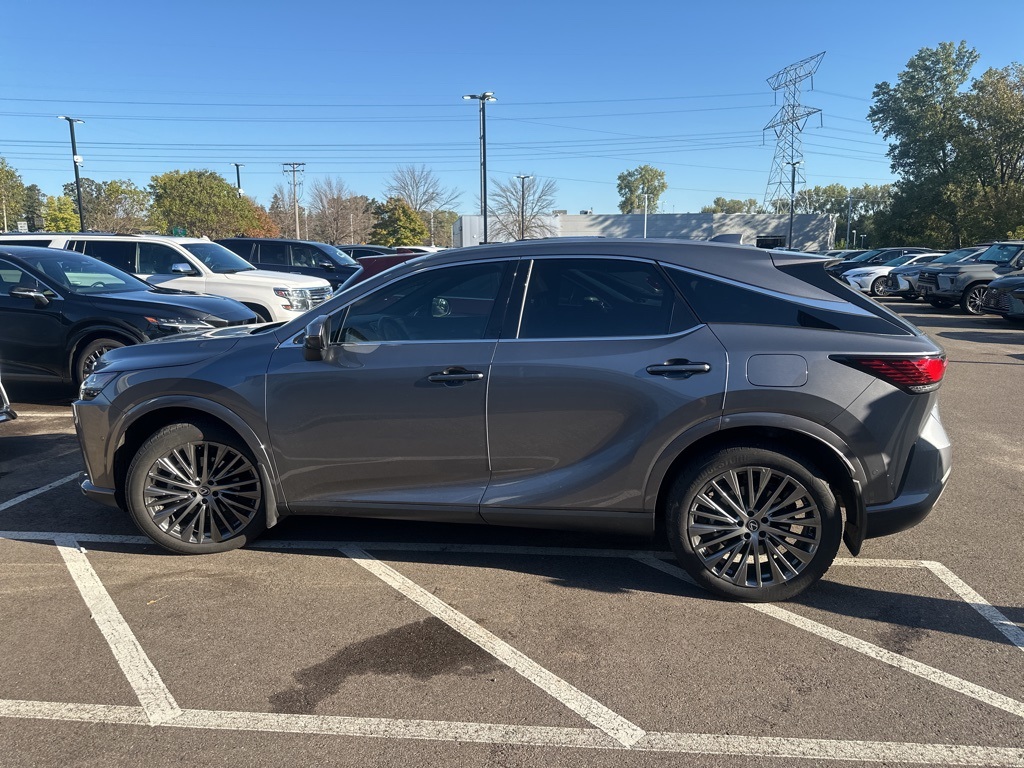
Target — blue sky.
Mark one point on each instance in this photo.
(585, 91)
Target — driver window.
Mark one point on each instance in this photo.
(444, 304)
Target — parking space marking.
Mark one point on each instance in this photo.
(924, 671)
(1012, 632)
(29, 494)
(616, 726)
(489, 733)
(143, 677)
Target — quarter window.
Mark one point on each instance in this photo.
(446, 304)
(591, 298)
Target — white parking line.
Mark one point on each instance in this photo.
(156, 700)
(931, 674)
(889, 752)
(29, 494)
(1012, 632)
(616, 726)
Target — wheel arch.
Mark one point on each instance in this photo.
(145, 420)
(88, 334)
(843, 473)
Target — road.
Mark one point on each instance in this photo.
(344, 642)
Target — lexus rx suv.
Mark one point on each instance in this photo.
(741, 400)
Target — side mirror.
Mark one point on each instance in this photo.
(182, 269)
(316, 340)
(24, 292)
(325, 264)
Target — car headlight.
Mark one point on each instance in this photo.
(94, 384)
(298, 298)
(178, 324)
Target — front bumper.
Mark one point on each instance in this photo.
(923, 482)
(900, 285)
(102, 495)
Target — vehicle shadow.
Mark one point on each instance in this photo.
(986, 337)
(39, 394)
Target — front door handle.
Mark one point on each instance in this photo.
(455, 375)
(678, 369)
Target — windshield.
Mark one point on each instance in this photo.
(83, 275)
(343, 258)
(961, 254)
(1000, 253)
(218, 258)
(867, 255)
(900, 260)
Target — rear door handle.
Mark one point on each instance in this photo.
(681, 369)
(455, 375)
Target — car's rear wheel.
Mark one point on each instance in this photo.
(972, 299)
(87, 357)
(753, 524)
(195, 488)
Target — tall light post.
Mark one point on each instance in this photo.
(646, 197)
(238, 176)
(792, 197)
(483, 98)
(849, 216)
(854, 241)
(862, 240)
(78, 176)
(522, 205)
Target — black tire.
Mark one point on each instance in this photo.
(878, 287)
(173, 494)
(261, 313)
(971, 300)
(796, 543)
(87, 356)
(911, 297)
(941, 303)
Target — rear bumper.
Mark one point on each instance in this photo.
(923, 483)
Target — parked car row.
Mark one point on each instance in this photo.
(967, 283)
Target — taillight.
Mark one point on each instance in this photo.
(911, 374)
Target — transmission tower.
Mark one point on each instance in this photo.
(788, 123)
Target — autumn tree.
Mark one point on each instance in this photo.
(60, 214)
(397, 224)
(202, 202)
(518, 206)
(642, 183)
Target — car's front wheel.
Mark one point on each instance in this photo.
(196, 488)
(87, 357)
(971, 301)
(878, 287)
(753, 524)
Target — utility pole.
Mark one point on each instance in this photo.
(522, 205)
(294, 168)
(646, 196)
(76, 158)
(238, 176)
(849, 215)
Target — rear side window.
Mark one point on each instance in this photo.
(117, 253)
(274, 254)
(595, 298)
(718, 301)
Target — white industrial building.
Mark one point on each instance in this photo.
(811, 231)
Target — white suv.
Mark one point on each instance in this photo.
(193, 264)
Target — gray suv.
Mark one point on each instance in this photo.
(965, 284)
(740, 400)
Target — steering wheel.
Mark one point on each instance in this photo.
(99, 284)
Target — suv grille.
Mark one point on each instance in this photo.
(927, 278)
(319, 295)
(997, 300)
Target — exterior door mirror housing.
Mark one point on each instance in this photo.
(24, 292)
(184, 268)
(316, 340)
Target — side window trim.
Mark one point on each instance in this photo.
(44, 283)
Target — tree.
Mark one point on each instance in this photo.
(202, 202)
(257, 222)
(12, 194)
(35, 204)
(517, 208)
(634, 184)
(397, 224)
(60, 214)
(421, 189)
(440, 226)
(116, 206)
(721, 205)
(336, 215)
(91, 192)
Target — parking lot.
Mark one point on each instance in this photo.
(347, 642)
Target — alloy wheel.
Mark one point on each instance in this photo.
(202, 492)
(754, 526)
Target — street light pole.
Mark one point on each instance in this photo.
(483, 98)
(792, 197)
(522, 205)
(78, 176)
(646, 196)
(238, 176)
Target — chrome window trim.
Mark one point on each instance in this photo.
(665, 336)
(841, 307)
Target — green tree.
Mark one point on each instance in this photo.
(721, 205)
(12, 194)
(203, 202)
(91, 192)
(634, 184)
(60, 214)
(398, 224)
(442, 222)
(35, 204)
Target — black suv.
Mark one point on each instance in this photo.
(60, 311)
(303, 257)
